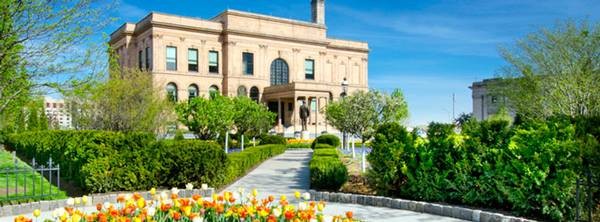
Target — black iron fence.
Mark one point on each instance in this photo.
(24, 182)
(587, 205)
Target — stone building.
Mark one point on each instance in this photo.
(276, 61)
(485, 102)
(57, 113)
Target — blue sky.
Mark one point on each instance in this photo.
(429, 49)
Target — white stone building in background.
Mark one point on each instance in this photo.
(485, 103)
(58, 114)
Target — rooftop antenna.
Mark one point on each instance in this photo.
(453, 105)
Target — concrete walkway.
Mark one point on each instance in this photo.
(288, 172)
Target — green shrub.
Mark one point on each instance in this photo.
(323, 146)
(329, 139)
(192, 161)
(529, 168)
(179, 135)
(298, 145)
(326, 152)
(327, 173)
(272, 139)
(241, 162)
(391, 142)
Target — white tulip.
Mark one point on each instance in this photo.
(302, 206)
(277, 212)
(306, 196)
(70, 201)
(58, 212)
(128, 196)
(151, 211)
(204, 186)
(236, 196)
(241, 190)
(198, 219)
(174, 190)
(107, 205)
(327, 218)
(189, 186)
(164, 195)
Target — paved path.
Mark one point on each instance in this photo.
(288, 172)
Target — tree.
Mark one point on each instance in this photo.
(127, 101)
(362, 112)
(463, 118)
(207, 117)
(555, 72)
(40, 45)
(251, 118)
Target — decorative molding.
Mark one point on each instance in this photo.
(365, 59)
(296, 50)
(334, 56)
(182, 39)
(232, 43)
(322, 53)
(203, 42)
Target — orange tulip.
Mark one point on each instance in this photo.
(289, 215)
(196, 197)
(271, 198)
(176, 215)
(349, 214)
(99, 207)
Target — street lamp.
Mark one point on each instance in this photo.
(344, 93)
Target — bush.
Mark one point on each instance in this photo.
(327, 172)
(272, 139)
(241, 162)
(329, 139)
(529, 169)
(298, 145)
(323, 146)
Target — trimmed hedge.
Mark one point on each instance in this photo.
(327, 172)
(328, 139)
(100, 161)
(529, 169)
(272, 139)
(241, 162)
(323, 146)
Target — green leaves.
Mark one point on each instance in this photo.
(327, 172)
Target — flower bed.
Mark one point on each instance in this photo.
(231, 206)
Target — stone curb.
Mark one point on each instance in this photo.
(417, 206)
(48, 205)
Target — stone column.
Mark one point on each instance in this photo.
(316, 116)
(279, 113)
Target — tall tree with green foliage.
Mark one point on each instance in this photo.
(362, 112)
(251, 118)
(127, 101)
(207, 117)
(41, 45)
(555, 71)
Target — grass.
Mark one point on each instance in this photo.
(21, 187)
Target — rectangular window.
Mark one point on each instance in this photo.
(140, 60)
(171, 58)
(193, 60)
(213, 62)
(309, 69)
(248, 63)
(148, 57)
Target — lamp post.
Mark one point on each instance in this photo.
(344, 93)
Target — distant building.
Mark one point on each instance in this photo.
(279, 62)
(486, 103)
(58, 114)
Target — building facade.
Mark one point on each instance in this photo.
(57, 113)
(279, 62)
(485, 102)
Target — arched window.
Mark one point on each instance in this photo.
(172, 92)
(279, 72)
(213, 90)
(192, 91)
(254, 94)
(242, 91)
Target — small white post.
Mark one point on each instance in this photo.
(226, 142)
(242, 142)
(363, 164)
(253, 141)
(353, 153)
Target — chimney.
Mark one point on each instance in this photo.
(318, 11)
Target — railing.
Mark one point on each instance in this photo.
(23, 182)
(584, 197)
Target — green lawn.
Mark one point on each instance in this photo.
(26, 185)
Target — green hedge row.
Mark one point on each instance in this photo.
(272, 139)
(327, 172)
(328, 139)
(529, 168)
(99, 161)
(240, 163)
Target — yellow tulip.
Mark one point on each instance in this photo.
(84, 199)
(75, 218)
(141, 203)
(137, 219)
(297, 195)
(36, 212)
(254, 192)
(187, 210)
(226, 195)
(77, 200)
(283, 197)
(153, 191)
(320, 206)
